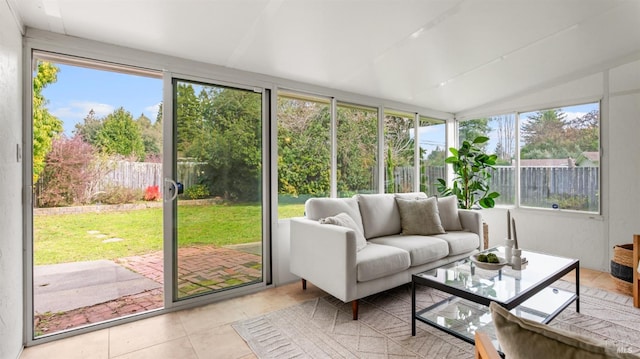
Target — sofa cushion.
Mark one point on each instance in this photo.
(419, 216)
(317, 208)
(522, 338)
(377, 261)
(448, 210)
(422, 249)
(344, 220)
(380, 216)
(460, 241)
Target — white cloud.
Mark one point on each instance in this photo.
(152, 111)
(78, 110)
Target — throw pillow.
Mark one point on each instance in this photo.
(448, 209)
(344, 220)
(419, 216)
(521, 338)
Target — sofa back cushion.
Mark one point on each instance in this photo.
(318, 208)
(448, 209)
(380, 215)
(419, 216)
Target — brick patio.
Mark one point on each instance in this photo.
(201, 269)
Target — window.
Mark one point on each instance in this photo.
(560, 158)
(502, 142)
(399, 150)
(357, 136)
(433, 150)
(304, 151)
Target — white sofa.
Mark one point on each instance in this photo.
(330, 257)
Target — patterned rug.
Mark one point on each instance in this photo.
(323, 328)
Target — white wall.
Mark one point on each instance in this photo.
(11, 297)
(589, 238)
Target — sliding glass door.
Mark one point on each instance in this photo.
(215, 189)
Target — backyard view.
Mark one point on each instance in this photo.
(98, 248)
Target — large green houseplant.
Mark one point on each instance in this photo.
(471, 166)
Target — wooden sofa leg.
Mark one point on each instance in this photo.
(304, 284)
(354, 309)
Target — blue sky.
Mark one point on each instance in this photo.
(78, 90)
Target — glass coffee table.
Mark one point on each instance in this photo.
(527, 293)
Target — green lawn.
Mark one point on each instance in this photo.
(80, 237)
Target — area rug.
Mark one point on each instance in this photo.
(323, 327)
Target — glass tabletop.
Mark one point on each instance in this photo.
(498, 285)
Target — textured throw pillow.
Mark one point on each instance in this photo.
(523, 339)
(448, 209)
(344, 220)
(419, 216)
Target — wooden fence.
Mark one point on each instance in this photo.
(570, 188)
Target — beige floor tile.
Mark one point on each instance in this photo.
(176, 348)
(211, 316)
(127, 338)
(220, 342)
(93, 345)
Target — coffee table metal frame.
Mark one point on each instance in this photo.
(510, 303)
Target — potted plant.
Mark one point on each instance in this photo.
(471, 166)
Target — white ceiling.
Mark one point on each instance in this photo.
(442, 54)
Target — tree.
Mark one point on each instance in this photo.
(120, 135)
(89, 128)
(189, 119)
(471, 129)
(544, 135)
(151, 136)
(45, 125)
(230, 141)
(303, 155)
(505, 128)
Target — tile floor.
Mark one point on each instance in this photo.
(203, 332)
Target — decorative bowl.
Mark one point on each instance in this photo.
(485, 265)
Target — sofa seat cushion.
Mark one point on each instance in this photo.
(377, 261)
(460, 242)
(422, 249)
(318, 208)
(380, 215)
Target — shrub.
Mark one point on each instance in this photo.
(67, 174)
(197, 191)
(152, 193)
(119, 195)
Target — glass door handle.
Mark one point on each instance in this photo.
(172, 189)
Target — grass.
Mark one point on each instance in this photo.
(80, 237)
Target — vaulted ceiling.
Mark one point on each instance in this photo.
(442, 54)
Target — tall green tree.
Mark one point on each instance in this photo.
(45, 125)
(151, 136)
(89, 128)
(472, 129)
(230, 141)
(189, 119)
(303, 154)
(120, 135)
(544, 135)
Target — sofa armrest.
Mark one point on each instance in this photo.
(471, 220)
(325, 255)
